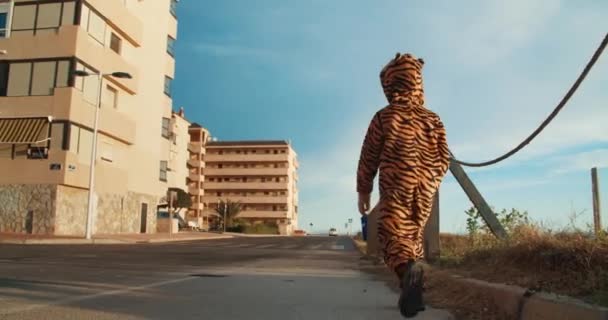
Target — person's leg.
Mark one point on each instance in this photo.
(397, 231)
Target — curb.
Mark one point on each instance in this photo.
(525, 304)
(102, 241)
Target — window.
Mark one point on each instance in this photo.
(115, 43)
(211, 179)
(3, 23)
(166, 132)
(3, 78)
(88, 85)
(221, 152)
(220, 166)
(163, 170)
(37, 18)
(276, 151)
(94, 24)
(253, 151)
(170, 46)
(276, 165)
(111, 97)
(277, 179)
(168, 81)
(219, 194)
(173, 8)
(267, 151)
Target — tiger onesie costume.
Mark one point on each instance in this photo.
(407, 143)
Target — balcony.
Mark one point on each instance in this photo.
(68, 41)
(197, 206)
(245, 186)
(195, 177)
(68, 103)
(196, 163)
(196, 147)
(236, 157)
(263, 214)
(195, 191)
(246, 172)
(249, 199)
(121, 19)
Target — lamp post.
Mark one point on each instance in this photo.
(100, 75)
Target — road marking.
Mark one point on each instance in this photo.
(337, 247)
(291, 246)
(91, 296)
(317, 247)
(266, 246)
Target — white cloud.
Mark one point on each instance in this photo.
(490, 30)
(580, 161)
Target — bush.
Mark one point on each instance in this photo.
(262, 229)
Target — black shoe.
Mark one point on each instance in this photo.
(410, 301)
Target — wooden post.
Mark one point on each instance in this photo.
(595, 189)
(480, 203)
(431, 232)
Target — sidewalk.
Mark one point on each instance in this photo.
(11, 238)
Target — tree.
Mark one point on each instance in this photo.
(230, 208)
(182, 200)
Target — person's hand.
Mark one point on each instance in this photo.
(364, 199)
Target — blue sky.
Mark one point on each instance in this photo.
(307, 71)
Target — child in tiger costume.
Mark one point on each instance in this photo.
(407, 143)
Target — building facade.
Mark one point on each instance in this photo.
(196, 175)
(261, 175)
(47, 113)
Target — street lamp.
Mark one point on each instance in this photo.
(100, 75)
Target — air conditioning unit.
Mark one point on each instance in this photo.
(37, 152)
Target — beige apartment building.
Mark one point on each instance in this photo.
(47, 114)
(261, 175)
(196, 175)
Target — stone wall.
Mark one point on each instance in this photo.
(17, 200)
(121, 213)
(71, 212)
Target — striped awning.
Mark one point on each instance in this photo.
(24, 130)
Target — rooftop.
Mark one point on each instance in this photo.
(246, 143)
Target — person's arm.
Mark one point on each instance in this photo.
(442, 145)
(369, 161)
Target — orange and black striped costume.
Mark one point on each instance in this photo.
(407, 143)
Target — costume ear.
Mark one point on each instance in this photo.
(397, 55)
(421, 61)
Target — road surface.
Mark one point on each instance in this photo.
(240, 278)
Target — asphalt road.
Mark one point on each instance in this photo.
(240, 278)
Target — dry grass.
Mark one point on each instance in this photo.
(570, 263)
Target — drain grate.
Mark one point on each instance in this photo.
(208, 275)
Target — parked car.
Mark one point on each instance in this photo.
(333, 232)
(299, 233)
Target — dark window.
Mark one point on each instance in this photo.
(3, 78)
(163, 170)
(170, 46)
(3, 26)
(115, 43)
(166, 132)
(168, 81)
(276, 151)
(173, 8)
(277, 179)
(220, 166)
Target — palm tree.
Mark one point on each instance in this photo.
(229, 209)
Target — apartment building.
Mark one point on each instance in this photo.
(196, 175)
(47, 113)
(261, 175)
(177, 130)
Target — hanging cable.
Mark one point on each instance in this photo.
(557, 109)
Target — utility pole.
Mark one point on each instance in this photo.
(350, 226)
(225, 208)
(595, 189)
